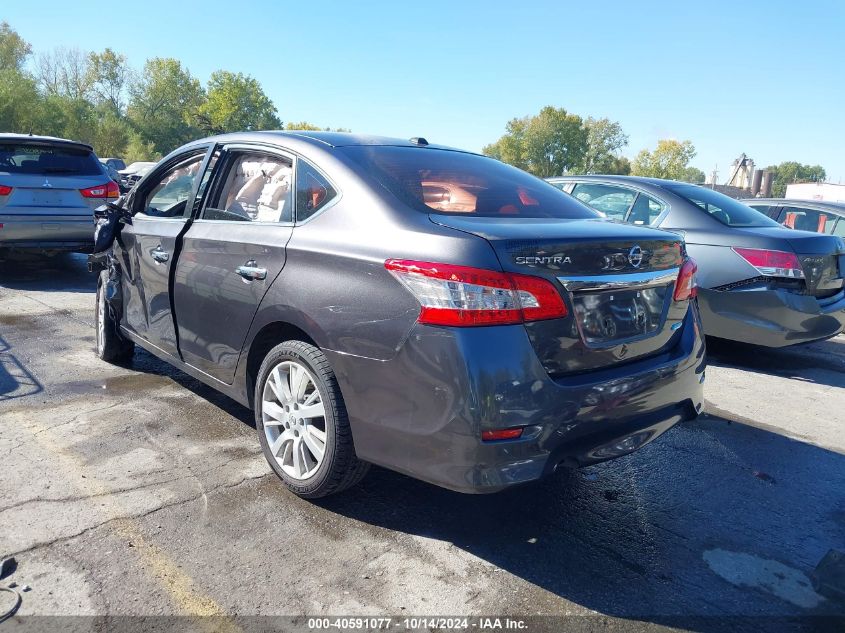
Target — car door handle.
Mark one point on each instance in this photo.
(159, 254)
(250, 271)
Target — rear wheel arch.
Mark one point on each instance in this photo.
(266, 339)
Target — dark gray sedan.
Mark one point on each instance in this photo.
(384, 301)
(759, 282)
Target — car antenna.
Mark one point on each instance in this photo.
(419, 140)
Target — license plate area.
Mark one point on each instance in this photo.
(619, 315)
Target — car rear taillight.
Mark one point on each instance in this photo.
(465, 296)
(501, 434)
(685, 286)
(5, 190)
(108, 190)
(772, 263)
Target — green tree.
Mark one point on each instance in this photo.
(14, 50)
(619, 166)
(163, 104)
(305, 125)
(19, 102)
(604, 140)
(109, 74)
(693, 175)
(138, 149)
(67, 117)
(669, 160)
(236, 102)
(65, 72)
(548, 144)
(790, 172)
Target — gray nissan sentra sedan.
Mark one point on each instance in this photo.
(759, 282)
(385, 301)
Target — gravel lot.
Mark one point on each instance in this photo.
(138, 490)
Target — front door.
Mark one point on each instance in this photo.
(230, 256)
(161, 210)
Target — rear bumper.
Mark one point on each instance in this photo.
(773, 318)
(47, 232)
(422, 412)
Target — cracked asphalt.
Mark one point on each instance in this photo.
(139, 491)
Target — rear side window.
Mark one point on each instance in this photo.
(440, 181)
(43, 160)
(613, 202)
(726, 210)
(313, 191)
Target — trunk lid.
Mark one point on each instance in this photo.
(617, 281)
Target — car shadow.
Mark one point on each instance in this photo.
(16, 381)
(822, 362)
(64, 272)
(685, 533)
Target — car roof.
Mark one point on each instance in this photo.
(839, 206)
(657, 182)
(322, 139)
(34, 138)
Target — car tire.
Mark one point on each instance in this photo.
(110, 345)
(314, 456)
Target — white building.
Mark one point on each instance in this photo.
(827, 191)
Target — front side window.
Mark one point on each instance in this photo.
(256, 188)
(726, 210)
(313, 191)
(47, 160)
(432, 180)
(805, 219)
(612, 202)
(169, 195)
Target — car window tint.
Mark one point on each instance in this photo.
(645, 211)
(313, 191)
(167, 198)
(724, 209)
(805, 219)
(839, 227)
(432, 180)
(256, 188)
(47, 160)
(613, 202)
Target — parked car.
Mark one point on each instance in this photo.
(758, 281)
(49, 188)
(115, 163)
(110, 171)
(307, 276)
(132, 174)
(805, 215)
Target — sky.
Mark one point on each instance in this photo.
(764, 78)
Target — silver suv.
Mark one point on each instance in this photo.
(49, 188)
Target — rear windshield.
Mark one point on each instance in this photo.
(23, 158)
(727, 210)
(442, 181)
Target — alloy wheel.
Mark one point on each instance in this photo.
(294, 419)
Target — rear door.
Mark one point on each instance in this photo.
(161, 209)
(231, 254)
